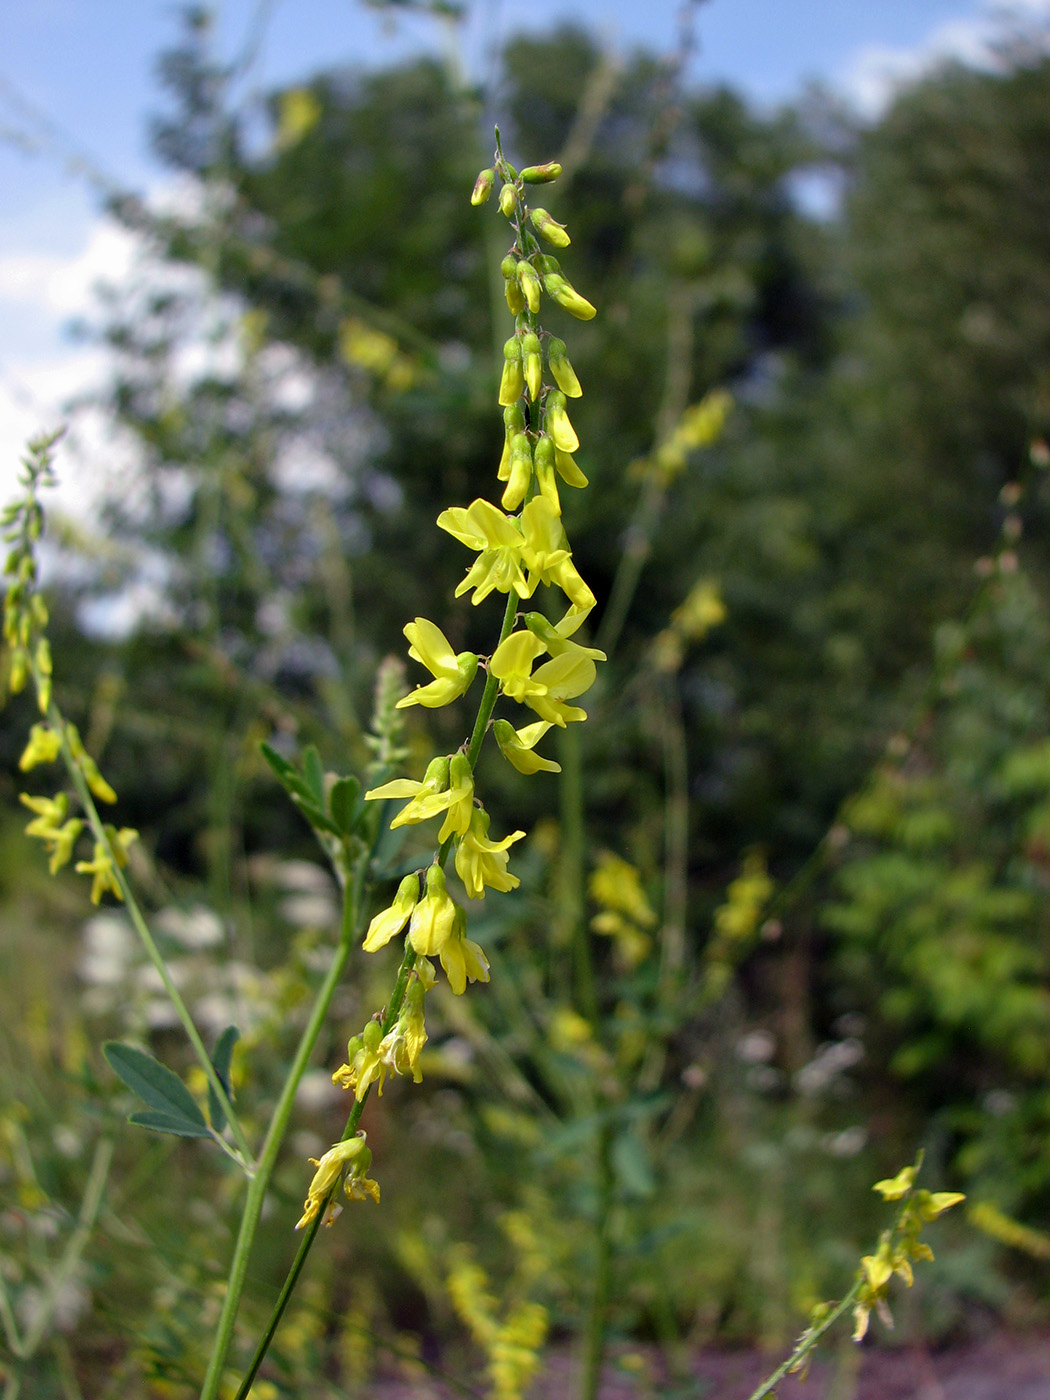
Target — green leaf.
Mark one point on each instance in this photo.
(220, 1058)
(634, 1172)
(169, 1123)
(317, 818)
(344, 802)
(154, 1083)
(280, 765)
(314, 774)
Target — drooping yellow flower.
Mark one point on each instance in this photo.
(461, 958)
(434, 916)
(482, 527)
(452, 674)
(564, 677)
(383, 927)
(557, 638)
(461, 798)
(348, 1161)
(45, 744)
(511, 664)
(546, 554)
(481, 862)
(429, 798)
(517, 746)
(365, 1064)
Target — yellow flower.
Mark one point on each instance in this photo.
(563, 677)
(517, 746)
(511, 664)
(545, 553)
(383, 927)
(557, 637)
(365, 1064)
(433, 917)
(556, 422)
(453, 674)
(347, 1161)
(482, 527)
(45, 744)
(402, 1046)
(461, 798)
(481, 862)
(461, 958)
(105, 859)
(429, 798)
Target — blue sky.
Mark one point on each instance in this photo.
(77, 79)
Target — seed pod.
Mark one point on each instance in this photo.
(529, 283)
(483, 187)
(556, 422)
(566, 295)
(532, 357)
(549, 228)
(508, 199)
(513, 380)
(541, 174)
(520, 477)
(564, 374)
(543, 459)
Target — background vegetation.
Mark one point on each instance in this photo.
(822, 740)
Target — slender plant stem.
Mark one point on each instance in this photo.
(310, 1234)
(98, 830)
(597, 1318)
(353, 899)
(808, 1342)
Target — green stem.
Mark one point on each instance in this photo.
(808, 1342)
(597, 1319)
(153, 952)
(352, 902)
(292, 1277)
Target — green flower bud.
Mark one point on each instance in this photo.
(543, 459)
(513, 380)
(509, 267)
(566, 295)
(515, 299)
(529, 283)
(564, 374)
(547, 264)
(520, 477)
(372, 1035)
(556, 422)
(541, 174)
(508, 200)
(483, 187)
(513, 420)
(549, 228)
(532, 357)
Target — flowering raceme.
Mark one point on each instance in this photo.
(521, 545)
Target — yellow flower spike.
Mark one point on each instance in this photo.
(566, 295)
(564, 677)
(348, 1161)
(529, 282)
(391, 921)
(561, 369)
(429, 797)
(549, 228)
(517, 746)
(512, 381)
(519, 474)
(481, 862)
(45, 744)
(556, 422)
(483, 527)
(511, 664)
(434, 917)
(483, 187)
(546, 480)
(461, 958)
(453, 674)
(557, 639)
(461, 803)
(532, 361)
(101, 868)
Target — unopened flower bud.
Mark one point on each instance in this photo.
(547, 264)
(508, 199)
(509, 267)
(529, 283)
(520, 475)
(564, 374)
(532, 359)
(543, 459)
(566, 295)
(514, 295)
(513, 380)
(483, 187)
(556, 422)
(541, 174)
(549, 228)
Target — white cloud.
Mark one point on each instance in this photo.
(878, 72)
